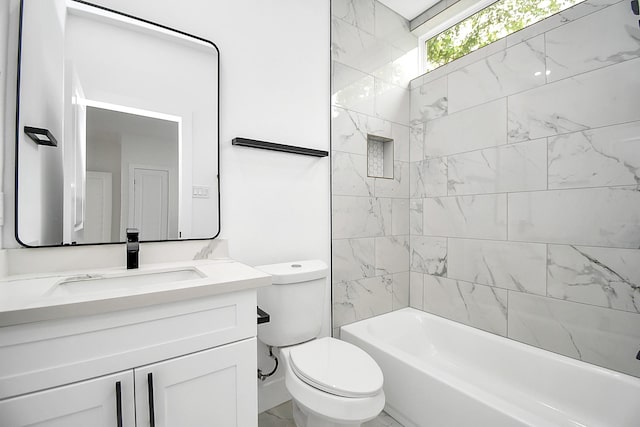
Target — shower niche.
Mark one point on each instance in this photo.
(379, 157)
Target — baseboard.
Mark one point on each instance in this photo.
(272, 394)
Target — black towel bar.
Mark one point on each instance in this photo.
(254, 143)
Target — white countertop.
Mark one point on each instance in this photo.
(35, 297)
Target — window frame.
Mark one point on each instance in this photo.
(457, 18)
(445, 25)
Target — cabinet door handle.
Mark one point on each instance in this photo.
(152, 420)
(119, 403)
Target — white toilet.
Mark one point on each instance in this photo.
(332, 382)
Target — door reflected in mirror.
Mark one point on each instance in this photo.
(134, 109)
(133, 176)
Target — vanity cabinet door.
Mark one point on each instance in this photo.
(216, 387)
(87, 403)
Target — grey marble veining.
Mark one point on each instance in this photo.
(357, 48)
(559, 19)
(343, 76)
(401, 136)
(416, 180)
(607, 37)
(566, 106)
(592, 217)
(400, 290)
(362, 299)
(515, 167)
(209, 249)
(608, 156)
(482, 126)
(429, 101)
(550, 116)
(392, 102)
(429, 255)
(482, 217)
(428, 178)
(355, 217)
(509, 265)
(434, 173)
(417, 142)
(353, 259)
(597, 335)
(355, 12)
(512, 70)
(350, 130)
(353, 90)
(349, 175)
(482, 307)
(470, 58)
(393, 28)
(416, 290)
(415, 217)
(401, 69)
(396, 187)
(600, 276)
(392, 254)
(374, 56)
(400, 217)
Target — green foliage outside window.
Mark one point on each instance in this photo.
(488, 25)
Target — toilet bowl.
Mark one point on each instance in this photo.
(332, 383)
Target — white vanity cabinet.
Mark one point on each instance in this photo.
(87, 403)
(207, 388)
(211, 388)
(199, 354)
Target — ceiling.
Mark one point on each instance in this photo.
(101, 122)
(409, 8)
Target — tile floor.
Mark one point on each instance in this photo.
(281, 416)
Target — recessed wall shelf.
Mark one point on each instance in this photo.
(254, 143)
(379, 156)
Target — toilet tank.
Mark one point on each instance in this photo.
(295, 302)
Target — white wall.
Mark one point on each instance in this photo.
(274, 85)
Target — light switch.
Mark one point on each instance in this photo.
(200, 192)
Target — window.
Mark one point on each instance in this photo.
(498, 20)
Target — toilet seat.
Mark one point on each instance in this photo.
(336, 367)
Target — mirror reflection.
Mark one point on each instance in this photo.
(134, 110)
(132, 176)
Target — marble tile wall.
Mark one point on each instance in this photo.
(524, 192)
(374, 57)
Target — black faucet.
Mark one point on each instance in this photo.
(133, 248)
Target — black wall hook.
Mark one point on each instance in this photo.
(635, 7)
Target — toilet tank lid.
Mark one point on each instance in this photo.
(295, 271)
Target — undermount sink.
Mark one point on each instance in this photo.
(101, 282)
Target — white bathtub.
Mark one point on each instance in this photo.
(444, 374)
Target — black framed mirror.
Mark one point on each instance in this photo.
(133, 108)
